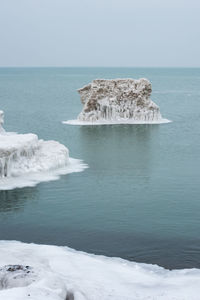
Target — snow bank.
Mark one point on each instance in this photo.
(62, 273)
(118, 101)
(26, 160)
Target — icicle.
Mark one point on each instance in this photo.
(1, 121)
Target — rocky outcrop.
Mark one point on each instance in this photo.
(118, 100)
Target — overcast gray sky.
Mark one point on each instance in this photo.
(100, 33)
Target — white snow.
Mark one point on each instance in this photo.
(63, 273)
(26, 160)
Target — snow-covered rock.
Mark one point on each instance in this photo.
(61, 273)
(24, 153)
(16, 276)
(26, 160)
(118, 101)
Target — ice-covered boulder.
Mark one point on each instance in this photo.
(25, 153)
(26, 160)
(118, 101)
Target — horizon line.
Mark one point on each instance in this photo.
(136, 67)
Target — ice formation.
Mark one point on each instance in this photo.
(1, 121)
(118, 101)
(60, 273)
(26, 160)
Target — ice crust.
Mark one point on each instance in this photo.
(118, 101)
(63, 273)
(26, 160)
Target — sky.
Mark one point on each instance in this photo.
(105, 33)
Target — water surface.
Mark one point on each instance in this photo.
(139, 199)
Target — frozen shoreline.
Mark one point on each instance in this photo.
(61, 272)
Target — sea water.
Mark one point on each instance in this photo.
(139, 198)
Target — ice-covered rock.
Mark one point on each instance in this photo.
(26, 160)
(24, 153)
(118, 101)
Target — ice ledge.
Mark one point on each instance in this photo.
(114, 122)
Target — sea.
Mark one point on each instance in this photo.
(140, 197)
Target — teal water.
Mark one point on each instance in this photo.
(140, 197)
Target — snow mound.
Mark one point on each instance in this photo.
(117, 101)
(63, 273)
(12, 276)
(26, 160)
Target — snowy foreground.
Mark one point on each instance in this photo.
(117, 101)
(55, 273)
(26, 160)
